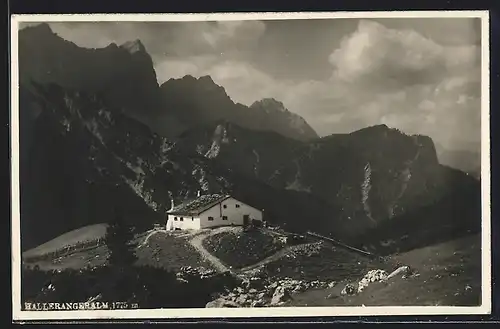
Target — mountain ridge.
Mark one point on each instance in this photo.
(125, 75)
(375, 173)
(209, 102)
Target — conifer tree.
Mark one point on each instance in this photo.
(119, 236)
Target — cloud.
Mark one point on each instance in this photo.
(452, 31)
(166, 39)
(387, 58)
(233, 34)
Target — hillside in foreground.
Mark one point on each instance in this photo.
(310, 273)
(446, 274)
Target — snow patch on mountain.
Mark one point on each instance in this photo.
(138, 188)
(93, 127)
(214, 150)
(296, 184)
(365, 190)
(200, 174)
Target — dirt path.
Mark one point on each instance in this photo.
(197, 243)
(150, 234)
(274, 257)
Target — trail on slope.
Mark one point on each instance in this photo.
(197, 243)
(150, 234)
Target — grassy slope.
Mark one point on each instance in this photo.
(321, 261)
(161, 250)
(86, 233)
(239, 249)
(77, 260)
(450, 275)
(171, 252)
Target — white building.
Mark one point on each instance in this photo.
(211, 211)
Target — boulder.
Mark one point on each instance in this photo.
(371, 276)
(349, 289)
(257, 303)
(242, 299)
(222, 303)
(403, 270)
(281, 294)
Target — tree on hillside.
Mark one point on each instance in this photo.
(119, 235)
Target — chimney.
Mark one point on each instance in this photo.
(199, 194)
(171, 201)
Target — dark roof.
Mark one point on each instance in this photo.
(199, 205)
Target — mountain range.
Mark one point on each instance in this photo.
(124, 75)
(97, 132)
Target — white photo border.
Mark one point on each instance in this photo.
(207, 313)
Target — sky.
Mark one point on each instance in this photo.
(420, 75)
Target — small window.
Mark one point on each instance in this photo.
(192, 218)
(175, 218)
(210, 218)
(225, 206)
(182, 219)
(237, 206)
(224, 217)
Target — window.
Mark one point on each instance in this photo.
(237, 206)
(182, 219)
(210, 218)
(224, 217)
(225, 206)
(192, 218)
(175, 218)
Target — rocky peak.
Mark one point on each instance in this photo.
(373, 129)
(123, 75)
(206, 79)
(203, 83)
(269, 104)
(134, 46)
(41, 29)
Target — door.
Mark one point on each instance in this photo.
(246, 220)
